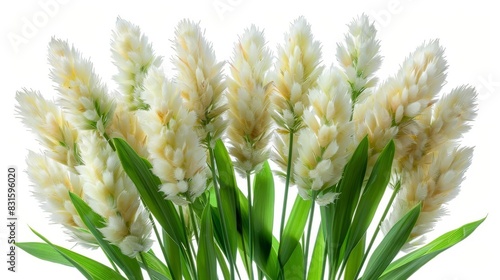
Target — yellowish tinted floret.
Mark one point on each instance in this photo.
(325, 141)
(248, 99)
(133, 55)
(174, 147)
(111, 194)
(200, 79)
(50, 125)
(82, 94)
(52, 183)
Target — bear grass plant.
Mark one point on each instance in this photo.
(161, 161)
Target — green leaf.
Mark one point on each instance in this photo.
(173, 257)
(44, 252)
(94, 222)
(392, 243)
(407, 265)
(263, 212)
(229, 196)
(139, 171)
(157, 268)
(269, 267)
(89, 268)
(318, 256)
(337, 216)
(294, 229)
(370, 198)
(355, 259)
(294, 268)
(206, 257)
(222, 263)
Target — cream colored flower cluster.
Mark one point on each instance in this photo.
(111, 194)
(53, 182)
(83, 96)
(47, 121)
(359, 56)
(53, 173)
(296, 72)
(133, 56)
(434, 165)
(320, 115)
(77, 157)
(425, 129)
(397, 101)
(200, 80)
(175, 151)
(249, 96)
(325, 141)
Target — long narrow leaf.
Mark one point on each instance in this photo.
(355, 259)
(222, 263)
(294, 229)
(89, 268)
(294, 268)
(205, 259)
(392, 243)
(228, 191)
(370, 199)
(410, 263)
(174, 257)
(44, 252)
(94, 221)
(158, 269)
(337, 217)
(270, 267)
(317, 258)
(263, 212)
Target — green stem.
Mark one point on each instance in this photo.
(250, 226)
(342, 267)
(219, 203)
(110, 142)
(158, 238)
(245, 255)
(287, 183)
(193, 220)
(260, 275)
(309, 227)
(386, 211)
(325, 257)
(145, 264)
(112, 263)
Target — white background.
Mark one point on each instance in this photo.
(467, 29)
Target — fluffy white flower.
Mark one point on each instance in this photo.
(325, 142)
(200, 79)
(446, 121)
(402, 98)
(248, 97)
(359, 56)
(451, 115)
(126, 125)
(83, 95)
(111, 194)
(434, 185)
(297, 71)
(52, 182)
(417, 83)
(47, 121)
(174, 147)
(133, 56)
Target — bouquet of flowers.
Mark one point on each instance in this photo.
(176, 177)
